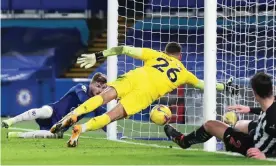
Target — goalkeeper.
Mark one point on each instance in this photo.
(137, 89)
(48, 115)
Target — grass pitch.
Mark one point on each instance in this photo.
(95, 149)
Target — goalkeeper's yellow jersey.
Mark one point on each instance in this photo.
(165, 72)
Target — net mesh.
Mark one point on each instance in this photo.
(245, 45)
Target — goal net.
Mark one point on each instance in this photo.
(245, 45)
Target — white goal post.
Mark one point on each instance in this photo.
(210, 66)
(112, 41)
(219, 38)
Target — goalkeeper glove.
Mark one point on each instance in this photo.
(231, 88)
(89, 60)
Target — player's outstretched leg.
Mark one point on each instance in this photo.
(88, 106)
(201, 135)
(96, 123)
(32, 114)
(34, 134)
(176, 136)
(6, 124)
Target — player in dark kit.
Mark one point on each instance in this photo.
(48, 115)
(259, 143)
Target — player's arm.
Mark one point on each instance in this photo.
(81, 91)
(134, 52)
(270, 127)
(199, 84)
(255, 110)
(89, 60)
(245, 109)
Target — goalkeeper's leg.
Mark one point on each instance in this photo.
(90, 105)
(130, 104)
(32, 114)
(96, 123)
(34, 134)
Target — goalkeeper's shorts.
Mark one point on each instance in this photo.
(135, 92)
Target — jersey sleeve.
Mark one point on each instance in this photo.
(81, 91)
(270, 127)
(135, 52)
(148, 54)
(255, 110)
(197, 83)
(191, 79)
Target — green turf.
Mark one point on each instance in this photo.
(97, 150)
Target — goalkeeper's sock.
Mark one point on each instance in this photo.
(198, 136)
(96, 123)
(89, 106)
(32, 114)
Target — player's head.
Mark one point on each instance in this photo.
(261, 84)
(97, 84)
(173, 49)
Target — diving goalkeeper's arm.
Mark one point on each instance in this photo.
(89, 60)
(228, 86)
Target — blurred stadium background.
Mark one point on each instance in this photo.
(41, 39)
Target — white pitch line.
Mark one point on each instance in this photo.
(144, 144)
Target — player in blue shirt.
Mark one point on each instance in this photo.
(48, 115)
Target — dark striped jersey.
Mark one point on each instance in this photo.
(265, 132)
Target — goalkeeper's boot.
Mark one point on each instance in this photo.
(175, 136)
(73, 141)
(64, 123)
(6, 123)
(14, 134)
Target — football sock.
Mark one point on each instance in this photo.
(89, 106)
(14, 134)
(32, 114)
(96, 123)
(198, 136)
(32, 134)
